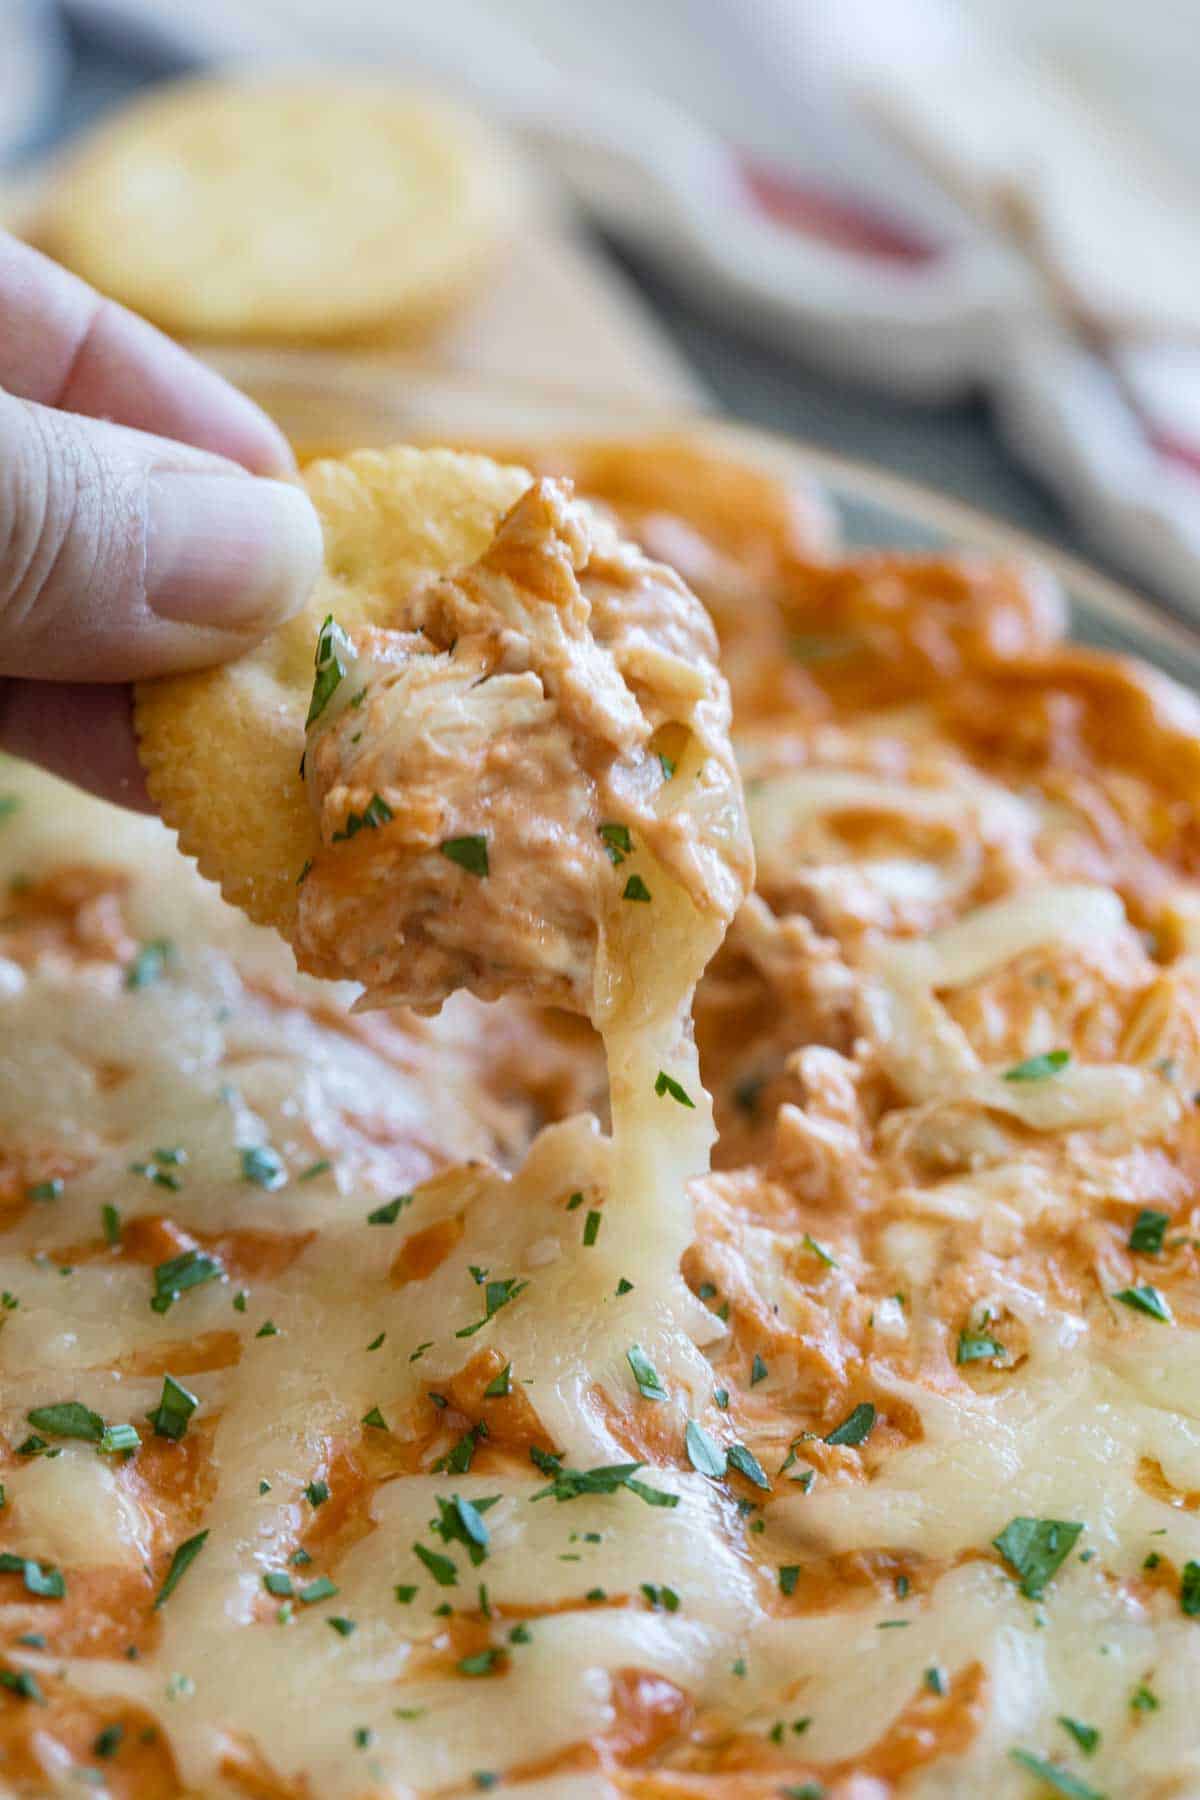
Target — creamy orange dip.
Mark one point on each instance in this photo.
(514, 1455)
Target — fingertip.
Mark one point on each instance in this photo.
(229, 551)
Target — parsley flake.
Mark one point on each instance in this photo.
(1189, 1590)
(856, 1427)
(377, 812)
(171, 1279)
(1086, 1736)
(1036, 1548)
(976, 1346)
(1146, 1299)
(617, 842)
(704, 1453)
(484, 1662)
(68, 1419)
(748, 1465)
(635, 889)
(470, 853)
(317, 1493)
(500, 1385)
(148, 965)
(1061, 1780)
(262, 1166)
(758, 1370)
(331, 659)
(591, 1229)
(1147, 1233)
(666, 1084)
(645, 1374)
(1039, 1068)
(495, 1295)
(440, 1567)
(389, 1213)
(110, 1224)
(185, 1555)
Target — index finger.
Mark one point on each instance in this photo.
(65, 346)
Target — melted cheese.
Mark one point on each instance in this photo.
(941, 899)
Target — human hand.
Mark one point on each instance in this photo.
(125, 554)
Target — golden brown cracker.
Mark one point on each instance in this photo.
(222, 748)
(298, 210)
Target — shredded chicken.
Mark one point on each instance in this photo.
(537, 747)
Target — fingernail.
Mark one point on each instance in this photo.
(228, 551)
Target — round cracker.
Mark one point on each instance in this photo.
(283, 211)
(222, 748)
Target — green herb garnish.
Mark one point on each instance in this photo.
(1039, 1068)
(470, 853)
(1036, 1549)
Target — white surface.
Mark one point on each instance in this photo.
(926, 111)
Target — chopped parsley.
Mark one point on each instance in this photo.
(440, 1567)
(1039, 1068)
(1036, 1548)
(624, 1287)
(789, 1575)
(470, 853)
(856, 1427)
(635, 889)
(320, 1589)
(377, 812)
(173, 1412)
(758, 1370)
(1086, 1736)
(1189, 1590)
(500, 1385)
(569, 1484)
(119, 1440)
(390, 1212)
(591, 1229)
(484, 1662)
(741, 1459)
(976, 1346)
(45, 1581)
(317, 1493)
(375, 1420)
(617, 842)
(45, 1190)
(344, 1627)
(314, 1169)
(267, 1329)
(330, 661)
(819, 1251)
(1147, 1233)
(110, 1224)
(460, 1521)
(377, 1341)
(262, 1166)
(667, 766)
(704, 1453)
(1061, 1780)
(190, 1270)
(660, 1599)
(108, 1741)
(644, 1374)
(68, 1419)
(1143, 1700)
(935, 1680)
(666, 1084)
(148, 965)
(495, 1295)
(185, 1555)
(24, 1683)
(1145, 1299)
(278, 1583)
(405, 1593)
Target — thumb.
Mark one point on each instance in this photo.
(124, 555)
